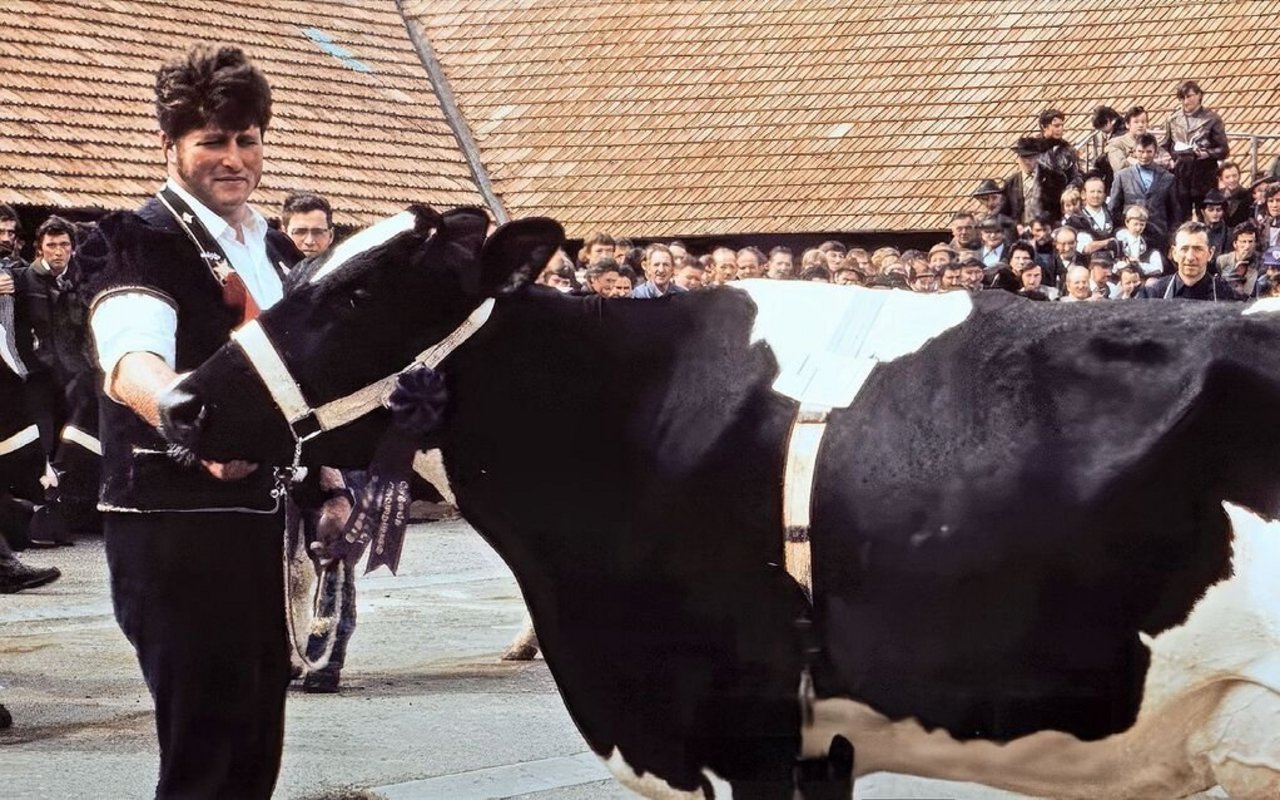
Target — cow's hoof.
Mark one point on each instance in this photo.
(522, 652)
(6, 720)
(320, 683)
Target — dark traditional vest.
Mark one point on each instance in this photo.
(146, 252)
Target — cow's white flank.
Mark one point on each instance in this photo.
(1210, 709)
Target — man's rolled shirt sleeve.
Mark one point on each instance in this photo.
(133, 322)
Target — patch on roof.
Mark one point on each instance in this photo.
(325, 42)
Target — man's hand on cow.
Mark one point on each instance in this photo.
(6, 283)
(229, 470)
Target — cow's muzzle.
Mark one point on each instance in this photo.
(182, 416)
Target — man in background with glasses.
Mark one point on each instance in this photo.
(308, 219)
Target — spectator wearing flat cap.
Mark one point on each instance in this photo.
(1101, 264)
(1213, 212)
(1197, 140)
(991, 196)
(940, 255)
(993, 244)
(1269, 282)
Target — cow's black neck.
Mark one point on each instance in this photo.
(623, 457)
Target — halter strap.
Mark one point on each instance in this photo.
(306, 421)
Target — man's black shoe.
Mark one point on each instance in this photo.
(16, 576)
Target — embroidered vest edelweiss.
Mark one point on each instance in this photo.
(146, 252)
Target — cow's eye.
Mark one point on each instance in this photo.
(360, 296)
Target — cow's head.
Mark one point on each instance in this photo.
(351, 317)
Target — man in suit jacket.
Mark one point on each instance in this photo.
(1151, 186)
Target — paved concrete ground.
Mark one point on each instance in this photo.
(428, 710)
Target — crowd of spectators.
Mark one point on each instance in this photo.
(1056, 228)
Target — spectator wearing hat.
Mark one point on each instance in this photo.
(1151, 186)
(1239, 206)
(1269, 282)
(1192, 281)
(940, 255)
(1213, 213)
(991, 196)
(1197, 140)
(1101, 265)
(1031, 189)
(993, 245)
(924, 279)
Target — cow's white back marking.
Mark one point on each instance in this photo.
(827, 338)
(1210, 709)
(1265, 305)
(650, 785)
(366, 239)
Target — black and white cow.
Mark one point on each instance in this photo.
(1040, 554)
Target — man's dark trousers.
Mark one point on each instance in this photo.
(201, 598)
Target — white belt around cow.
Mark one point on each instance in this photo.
(19, 440)
(797, 491)
(306, 421)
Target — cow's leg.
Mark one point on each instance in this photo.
(829, 777)
(1243, 742)
(525, 646)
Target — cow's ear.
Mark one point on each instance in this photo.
(462, 233)
(520, 250)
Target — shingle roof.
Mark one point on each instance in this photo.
(355, 117)
(732, 116)
(680, 118)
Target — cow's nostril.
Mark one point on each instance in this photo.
(181, 416)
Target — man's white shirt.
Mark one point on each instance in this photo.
(136, 322)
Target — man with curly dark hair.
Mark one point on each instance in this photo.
(193, 547)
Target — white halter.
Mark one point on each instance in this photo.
(306, 421)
